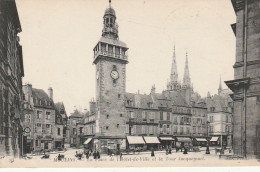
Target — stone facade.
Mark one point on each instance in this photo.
(11, 73)
(220, 118)
(74, 123)
(42, 119)
(246, 83)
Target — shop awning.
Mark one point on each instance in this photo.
(183, 139)
(87, 141)
(201, 139)
(166, 138)
(151, 140)
(214, 139)
(135, 140)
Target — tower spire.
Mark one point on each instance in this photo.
(186, 76)
(173, 84)
(220, 85)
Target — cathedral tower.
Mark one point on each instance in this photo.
(110, 58)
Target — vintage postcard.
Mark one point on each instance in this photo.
(129, 83)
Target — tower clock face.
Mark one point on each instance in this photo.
(114, 74)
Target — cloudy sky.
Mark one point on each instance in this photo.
(58, 37)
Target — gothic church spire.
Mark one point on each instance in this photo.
(220, 86)
(186, 77)
(173, 84)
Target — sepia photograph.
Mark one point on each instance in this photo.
(129, 83)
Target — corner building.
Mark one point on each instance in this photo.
(246, 83)
(11, 73)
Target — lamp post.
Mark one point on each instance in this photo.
(207, 150)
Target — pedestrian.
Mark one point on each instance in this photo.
(87, 154)
(95, 155)
(170, 150)
(109, 152)
(98, 155)
(121, 156)
(166, 151)
(59, 157)
(152, 153)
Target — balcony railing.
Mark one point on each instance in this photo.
(110, 29)
(110, 54)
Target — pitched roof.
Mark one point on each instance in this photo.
(175, 98)
(219, 103)
(59, 106)
(40, 94)
(76, 114)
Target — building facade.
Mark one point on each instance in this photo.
(62, 119)
(74, 124)
(11, 73)
(42, 120)
(246, 83)
(220, 118)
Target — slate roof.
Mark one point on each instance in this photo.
(112, 42)
(60, 106)
(166, 99)
(219, 103)
(76, 114)
(40, 94)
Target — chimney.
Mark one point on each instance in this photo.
(27, 90)
(50, 93)
(92, 106)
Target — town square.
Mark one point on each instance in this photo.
(177, 84)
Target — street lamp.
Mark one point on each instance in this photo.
(207, 150)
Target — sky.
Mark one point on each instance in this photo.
(58, 37)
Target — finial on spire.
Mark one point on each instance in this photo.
(109, 3)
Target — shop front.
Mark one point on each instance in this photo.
(201, 142)
(135, 143)
(183, 142)
(106, 144)
(152, 143)
(214, 141)
(167, 142)
(46, 144)
(88, 143)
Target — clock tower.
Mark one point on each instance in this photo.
(110, 58)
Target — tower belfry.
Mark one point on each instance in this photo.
(173, 84)
(186, 76)
(110, 28)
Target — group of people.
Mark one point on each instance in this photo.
(88, 153)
